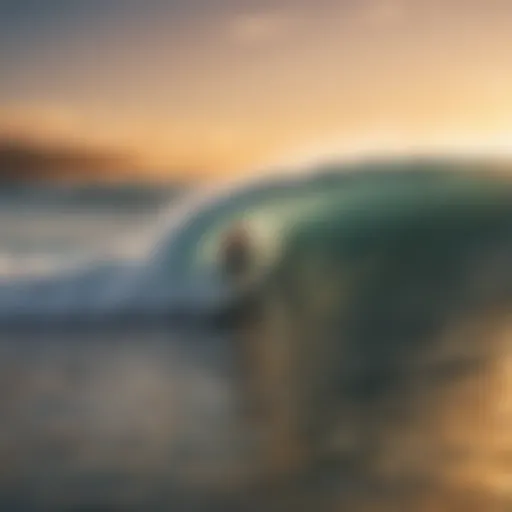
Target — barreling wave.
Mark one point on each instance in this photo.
(397, 299)
(180, 270)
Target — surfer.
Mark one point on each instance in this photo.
(236, 253)
(264, 354)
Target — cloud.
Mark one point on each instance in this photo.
(384, 13)
(259, 27)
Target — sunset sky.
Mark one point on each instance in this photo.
(210, 87)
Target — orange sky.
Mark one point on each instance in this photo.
(220, 86)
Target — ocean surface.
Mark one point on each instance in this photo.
(110, 417)
(48, 227)
(118, 393)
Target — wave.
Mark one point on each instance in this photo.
(179, 266)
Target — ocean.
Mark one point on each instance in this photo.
(44, 227)
(380, 345)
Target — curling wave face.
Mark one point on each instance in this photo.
(181, 270)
